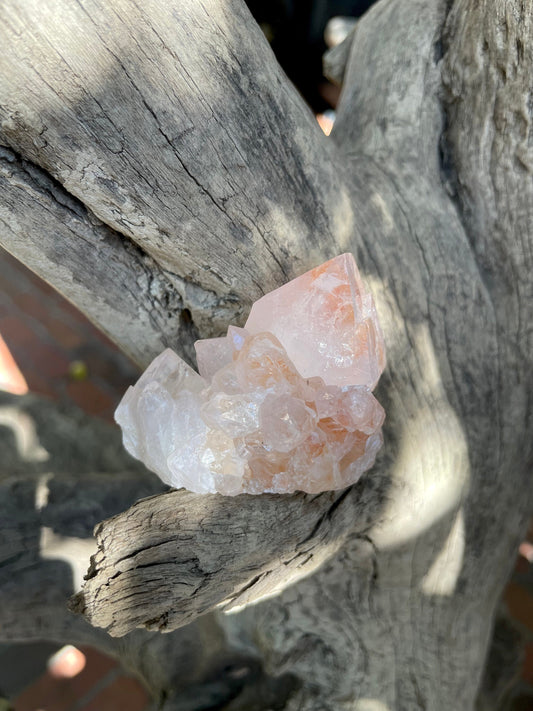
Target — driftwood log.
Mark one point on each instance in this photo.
(161, 172)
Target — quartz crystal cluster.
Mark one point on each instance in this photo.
(282, 405)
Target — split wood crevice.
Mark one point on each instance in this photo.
(179, 176)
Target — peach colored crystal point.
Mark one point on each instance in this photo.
(282, 405)
(327, 323)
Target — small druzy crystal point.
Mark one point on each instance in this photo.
(282, 405)
(213, 353)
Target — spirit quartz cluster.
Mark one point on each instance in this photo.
(281, 405)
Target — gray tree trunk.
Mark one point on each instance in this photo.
(161, 172)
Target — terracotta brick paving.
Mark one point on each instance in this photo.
(59, 352)
(100, 686)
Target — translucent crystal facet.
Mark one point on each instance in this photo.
(327, 323)
(283, 405)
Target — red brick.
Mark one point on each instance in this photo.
(329, 92)
(45, 386)
(54, 694)
(6, 307)
(521, 565)
(91, 398)
(33, 304)
(46, 693)
(16, 333)
(524, 702)
(46, 361)
(97, 659)
(520, 604)
(98, 665)
(124, 693)
(100, 363)
(527, 668)
(63, 335)
(45, 333)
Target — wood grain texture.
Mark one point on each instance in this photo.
(427, 179)
(181, 554)
(118, 286)
(174, 124)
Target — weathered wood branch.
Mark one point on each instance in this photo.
(488, 156)
(425, 381)
(430, 161)
(190, 147)
(55, 235)
(177, 556)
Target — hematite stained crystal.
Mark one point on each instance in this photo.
(283, 405)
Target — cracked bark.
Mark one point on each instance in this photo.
(186, 140)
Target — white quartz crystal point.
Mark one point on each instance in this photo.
(214, 353)
(327, 323)
(211, 355)
(160, 414)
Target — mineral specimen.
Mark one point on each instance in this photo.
(284, 404)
